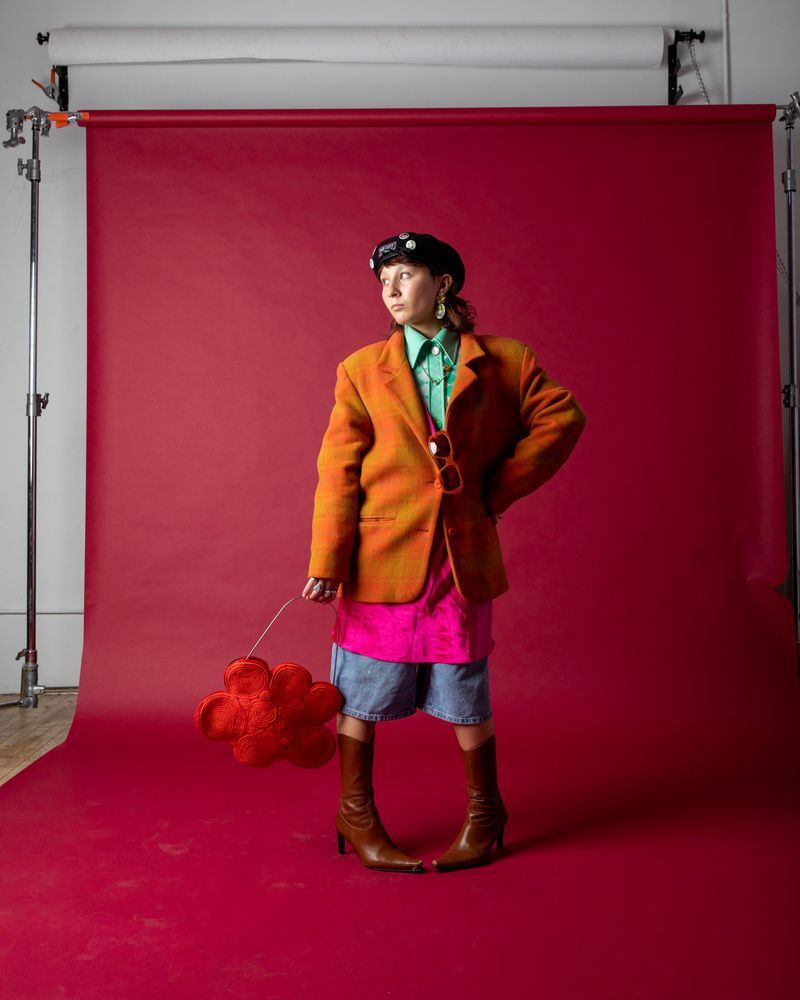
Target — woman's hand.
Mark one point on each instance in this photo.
(326, 593)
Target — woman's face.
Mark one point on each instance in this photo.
(409, 293)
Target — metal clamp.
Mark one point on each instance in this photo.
(40, 402)
(674, 90)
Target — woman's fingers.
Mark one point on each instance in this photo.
(325, 595)
(312, 590)
(319, 595)
(331, 586)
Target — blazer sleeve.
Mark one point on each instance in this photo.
(553, 421)
(336, 500)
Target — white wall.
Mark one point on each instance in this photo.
(764, 41)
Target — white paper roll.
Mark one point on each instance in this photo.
(533, 47)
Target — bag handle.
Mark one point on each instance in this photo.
(301, 598)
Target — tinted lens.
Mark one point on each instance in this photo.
(439, 445)
(451, 478)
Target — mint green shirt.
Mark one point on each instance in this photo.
(427, 356)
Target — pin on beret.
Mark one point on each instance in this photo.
(420, 247)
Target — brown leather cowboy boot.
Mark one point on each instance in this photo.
(486, 814)
(358, 821)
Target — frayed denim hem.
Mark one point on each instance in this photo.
(368, 717)
(473, 720)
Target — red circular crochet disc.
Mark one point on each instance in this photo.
(219, 717)
(262, 712)
(289, 721)
(289, 682)
(258, 750)
(247, 676)
(322, 702)
(313, 747)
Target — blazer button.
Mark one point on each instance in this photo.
(451, 531)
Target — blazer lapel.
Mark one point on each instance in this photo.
(471, 351)
(402, 389)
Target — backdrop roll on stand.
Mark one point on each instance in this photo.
(623, 47)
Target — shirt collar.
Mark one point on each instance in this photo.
(417, 342)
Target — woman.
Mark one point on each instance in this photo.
(433, 435)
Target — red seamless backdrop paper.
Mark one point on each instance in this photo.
(643, 679)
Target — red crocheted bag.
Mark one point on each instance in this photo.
(271, 715)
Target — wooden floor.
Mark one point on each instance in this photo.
(28, 733)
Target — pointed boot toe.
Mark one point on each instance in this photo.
(357, 821)
(486, 814)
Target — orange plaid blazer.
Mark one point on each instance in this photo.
(379, 495)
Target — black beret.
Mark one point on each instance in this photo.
(420, 247)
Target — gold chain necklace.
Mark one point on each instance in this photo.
(445, 368)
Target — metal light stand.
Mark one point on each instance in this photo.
(30, 689)
(791, 112)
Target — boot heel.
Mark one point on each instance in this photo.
(340, 840)
(500, 838)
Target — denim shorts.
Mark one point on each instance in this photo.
(380, 690)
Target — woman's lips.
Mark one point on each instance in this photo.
(399, 306)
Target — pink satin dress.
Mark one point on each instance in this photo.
(440, 626)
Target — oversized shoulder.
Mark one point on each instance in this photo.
(365, 355)
(505, 348)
